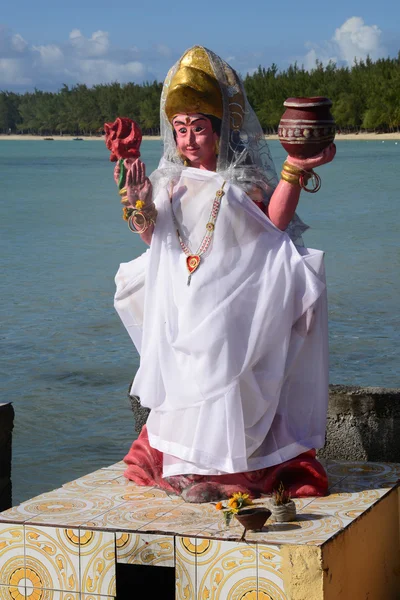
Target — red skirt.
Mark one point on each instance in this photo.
(302, 476)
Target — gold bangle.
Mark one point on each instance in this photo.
(304, 175)
(292, 169)
(124, 199)
(139, 227)
(293, 179)
(123, 191)
(316, 179)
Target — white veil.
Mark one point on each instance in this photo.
(244, 156)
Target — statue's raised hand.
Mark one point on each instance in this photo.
(324, 157)
(138, 186)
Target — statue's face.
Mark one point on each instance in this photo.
(196, 140)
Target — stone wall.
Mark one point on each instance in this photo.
(363, 423)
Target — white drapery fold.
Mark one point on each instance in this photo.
(234, 366)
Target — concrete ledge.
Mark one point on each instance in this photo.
(363, 424)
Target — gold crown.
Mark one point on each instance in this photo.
(194, 88)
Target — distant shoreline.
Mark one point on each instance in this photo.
(339, 137)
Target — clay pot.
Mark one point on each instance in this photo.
(253, 518)
(283, 513)
(307, 126)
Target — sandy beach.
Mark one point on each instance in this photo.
(339, 137)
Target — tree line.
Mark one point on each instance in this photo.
(365, 97)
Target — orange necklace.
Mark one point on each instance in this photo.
(193, 259)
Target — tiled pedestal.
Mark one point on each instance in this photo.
(64, 545)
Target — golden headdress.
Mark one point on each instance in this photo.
(194, 88)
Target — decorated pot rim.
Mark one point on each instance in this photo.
(307, 102)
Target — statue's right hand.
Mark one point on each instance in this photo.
(138, 186)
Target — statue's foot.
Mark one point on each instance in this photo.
(209, 491)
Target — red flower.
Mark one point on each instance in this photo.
(123, 138)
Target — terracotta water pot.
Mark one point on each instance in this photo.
(253, 518)
(307, 126)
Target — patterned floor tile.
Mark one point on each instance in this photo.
(62, 508)
(92, 481)
(341, 500)
(8, 592)
(269, 573)
(58, 501)
(215, 527)
(185, 568)
(119, 466)
(16, 514)
(187, 520)
(356, 482)
(226, 569)
(93, 597)
(97, 563)
(309, 527)
(38, 594)
(122, 481)
(132, 516)
(301, 503)
(145, 549)
(135, 493)
(219, 531)
(12, 554)
(151, 494)
(52, 558)
(372, 470)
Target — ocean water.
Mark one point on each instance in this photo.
(65, 359)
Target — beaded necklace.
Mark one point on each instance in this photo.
(193, 259)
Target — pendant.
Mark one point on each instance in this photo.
(192, 262)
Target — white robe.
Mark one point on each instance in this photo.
(234, 367)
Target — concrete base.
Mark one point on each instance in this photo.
(73, 543)
(363, 424)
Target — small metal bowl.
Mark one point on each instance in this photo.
(253, 518)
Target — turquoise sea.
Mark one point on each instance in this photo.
(65, 359)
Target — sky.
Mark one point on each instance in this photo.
(47, 44)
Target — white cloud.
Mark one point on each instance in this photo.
(49, 56)
(323, 54)
(90, 60)
(93, 72)
(352, 40)
(12, 73)
(18, 42)
(97, 45)
(355, 39)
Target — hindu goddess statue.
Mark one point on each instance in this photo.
(227, 308)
